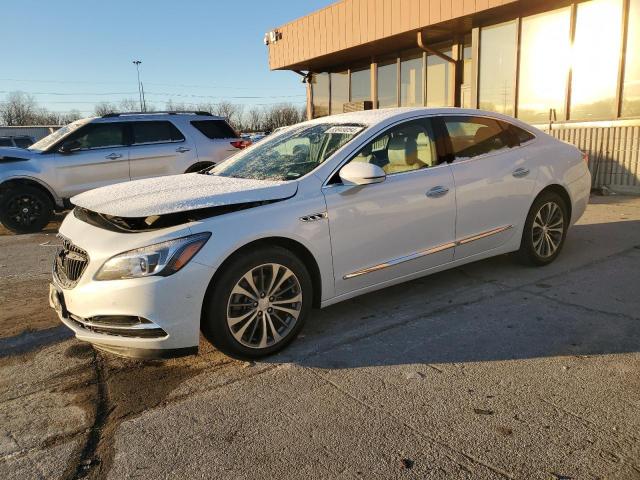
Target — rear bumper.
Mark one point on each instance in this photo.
(579, 191)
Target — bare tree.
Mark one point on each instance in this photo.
(104, 108)
(129, 105)
(253, 119)
(18, 108)
(231, 111)
(173, 106)
(281, 115)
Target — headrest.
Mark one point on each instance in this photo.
(482, 134)
(402, 151)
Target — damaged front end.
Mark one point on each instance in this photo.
(157, 222)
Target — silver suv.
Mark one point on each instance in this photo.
(94, 152)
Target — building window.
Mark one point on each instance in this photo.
(498, 45)
(631, 89)
(411, 81)
(320, 85)
(596, 51)
(339, 91)
(439, 81)
(545, 53)
(361, 85)
(388, 84)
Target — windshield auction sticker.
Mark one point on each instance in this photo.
(344, 129)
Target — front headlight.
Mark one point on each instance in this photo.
(162, 259)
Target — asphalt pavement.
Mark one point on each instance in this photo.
(492, 370)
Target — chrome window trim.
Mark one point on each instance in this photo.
(429, 251)
(160, 142)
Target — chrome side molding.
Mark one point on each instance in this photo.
(429, 251)
(482, 235)
(406, 258)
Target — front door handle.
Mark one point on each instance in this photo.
(437, 192)
(113, 156)
(182, 149)
(520, 172)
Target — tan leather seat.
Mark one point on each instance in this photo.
(426, 150)
(402, 153)
(365, 155)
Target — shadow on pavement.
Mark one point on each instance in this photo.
(492, 310)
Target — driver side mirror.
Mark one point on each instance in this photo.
(70, 146)
(361, 173)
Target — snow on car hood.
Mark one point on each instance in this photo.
(179, 193)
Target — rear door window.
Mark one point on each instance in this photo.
(6, 142)
(214, 129)
(474, 136)
(155, 132)
(521, 135)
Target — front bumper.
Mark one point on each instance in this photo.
(170, 307)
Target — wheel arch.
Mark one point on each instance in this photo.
(560, 190)
(197, 166)
(300, 250)
(33, 182)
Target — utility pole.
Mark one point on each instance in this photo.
(143, 106)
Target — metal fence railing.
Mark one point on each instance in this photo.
(614, 152)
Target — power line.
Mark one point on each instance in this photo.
(59, 102)
(89, 82)
(165, 94)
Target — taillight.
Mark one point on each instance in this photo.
(585, 157)
(241, 143)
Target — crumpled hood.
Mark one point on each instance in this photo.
(179, 193)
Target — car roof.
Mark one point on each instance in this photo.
(374, 117)
(137, 116)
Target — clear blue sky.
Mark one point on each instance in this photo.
(212, 49)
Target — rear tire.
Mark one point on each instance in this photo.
(25, 209)
(545, 230)
(258, 304)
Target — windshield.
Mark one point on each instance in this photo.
(290, 154)
(49, 140)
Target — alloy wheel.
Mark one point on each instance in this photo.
(24, 210)
(547, 229)
(264, 305)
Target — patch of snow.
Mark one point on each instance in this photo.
(178, 193)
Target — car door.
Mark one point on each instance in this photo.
(494, 180)
(159, 148)
(99, 157)
(400, 226)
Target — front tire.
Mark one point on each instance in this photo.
(545, 230)
(258, 304)
(25, 209)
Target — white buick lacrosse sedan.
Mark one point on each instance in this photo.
(317, 213)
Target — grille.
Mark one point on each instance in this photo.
(69, 264)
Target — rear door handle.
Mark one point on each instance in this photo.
(113, 156)
(437, 192)
(182, 149)
(520, 172)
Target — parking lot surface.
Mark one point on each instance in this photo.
(493, 370)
